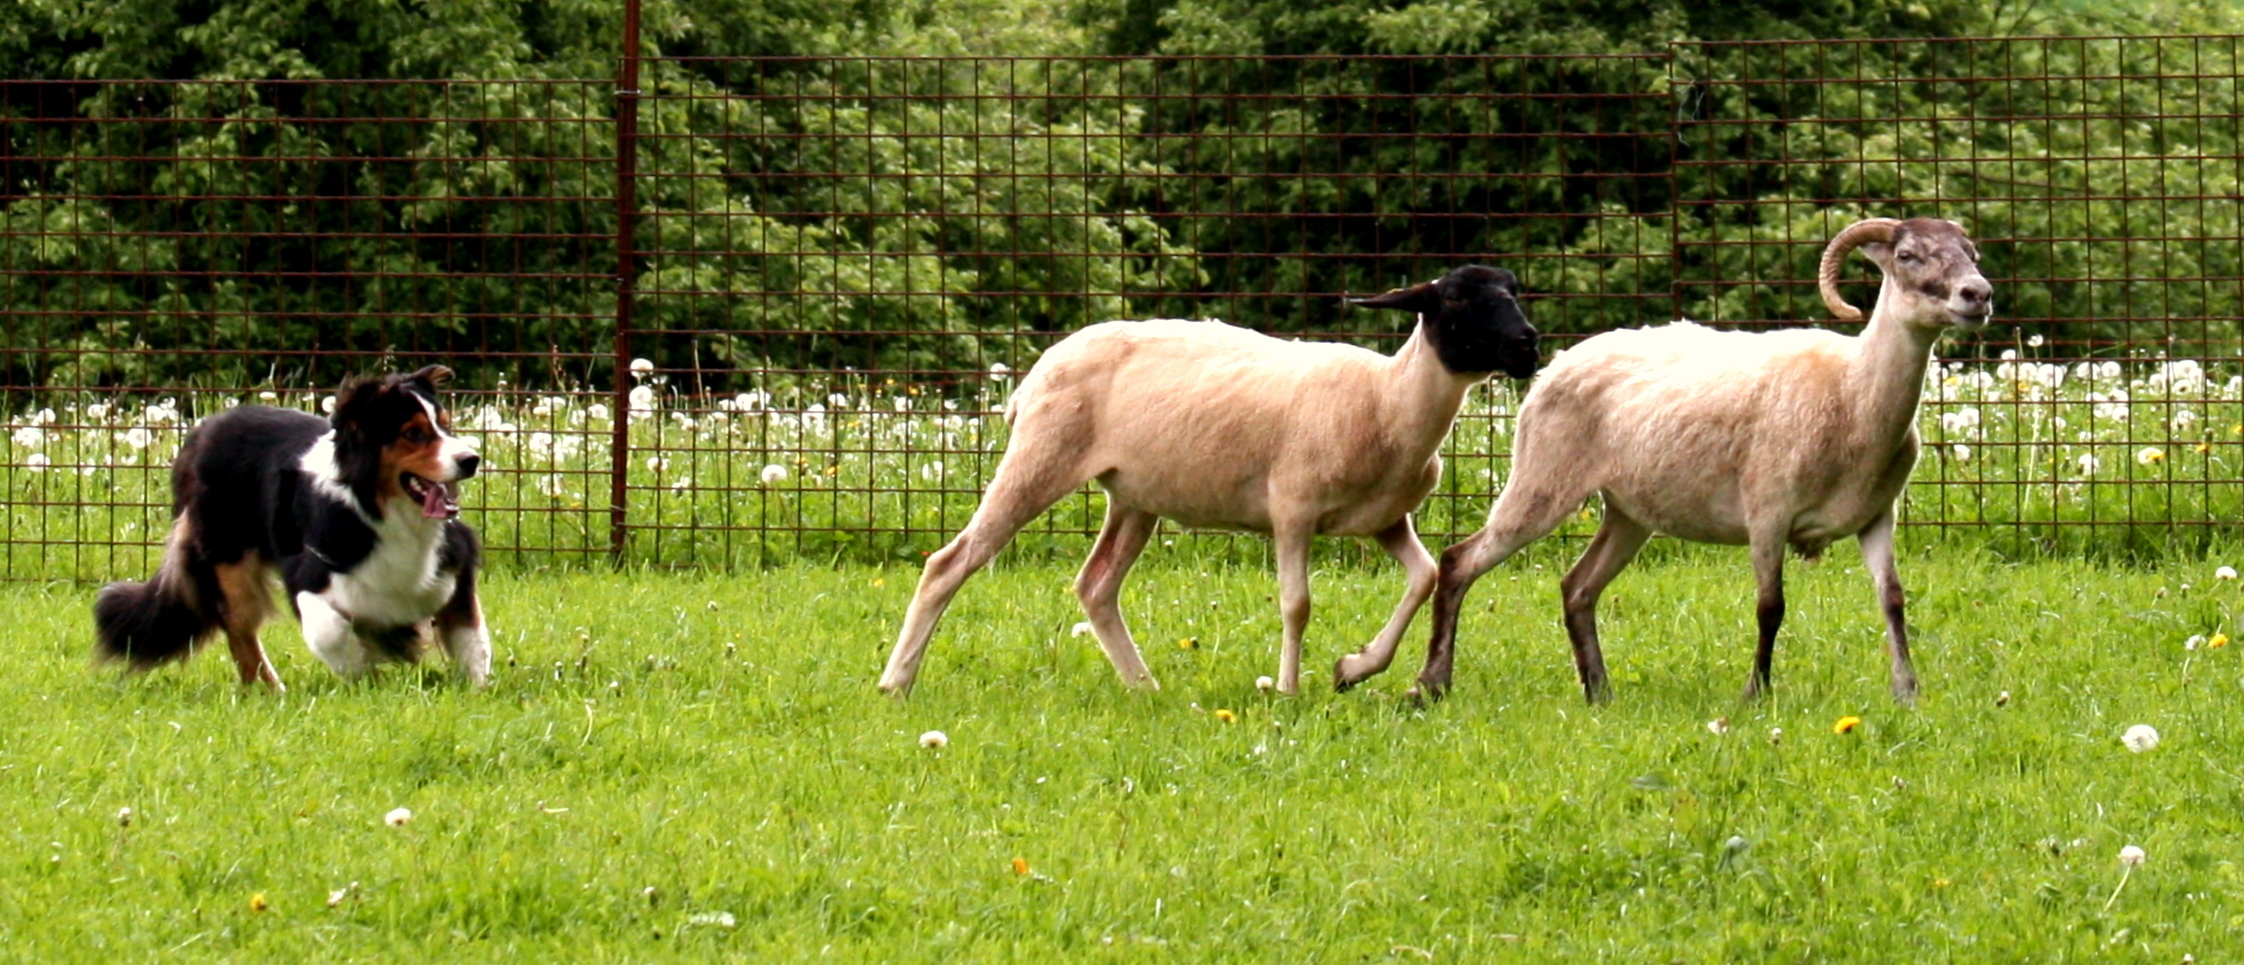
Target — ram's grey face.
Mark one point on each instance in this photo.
(1934, 270)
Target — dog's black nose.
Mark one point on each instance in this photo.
(468, 464)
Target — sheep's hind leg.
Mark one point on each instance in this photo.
(1099, 586)
(1015, 497)
(1877, 557)
(1527, 511)
(1419, 572)
(1293, 602)
(1768, 575)
(1617, 542)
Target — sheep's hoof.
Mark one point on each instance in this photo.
(1428, 691)
(1342, 680)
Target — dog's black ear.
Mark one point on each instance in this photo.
(432, 376)
(1424, 299)
(353, 400)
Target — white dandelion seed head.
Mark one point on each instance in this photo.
(124, 817)
(2089, 463)
(268, 396)
(1718, 726)
(1265, 684)
(37, 462)
(642, 398)
(398, 818)
(2140, 738)
(97, 410)
(1081, 627)
(641, 368)
(2035, 340)
(1962, 452)
(658, 464)
(137, 437)
(2225, 573)
(2195, 641)
(597, 412)
(773, 473)
(2131, 856)
(935, 740)
(2150, 455)
(1000, 371)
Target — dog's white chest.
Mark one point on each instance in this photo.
(398, 583)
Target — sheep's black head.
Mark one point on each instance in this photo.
(1931, 268)
(1472, 320)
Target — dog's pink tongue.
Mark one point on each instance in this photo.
(437, 502)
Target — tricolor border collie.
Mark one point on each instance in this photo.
(357, 514)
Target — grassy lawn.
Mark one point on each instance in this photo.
(694, 768)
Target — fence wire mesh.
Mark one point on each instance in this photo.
(838, 267)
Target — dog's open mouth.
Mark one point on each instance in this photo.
(438, 500)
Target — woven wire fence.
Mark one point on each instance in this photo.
(834, 270)
(847, 262)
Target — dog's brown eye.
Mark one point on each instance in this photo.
(416, 435)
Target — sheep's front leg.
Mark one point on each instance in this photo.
(1877, 557)
(1768, 574)
(1099, 587)
(1293, 603)
(1617, 542)
(1419, 574)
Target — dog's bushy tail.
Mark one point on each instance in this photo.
(145, 624)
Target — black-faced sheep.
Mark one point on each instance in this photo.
(1215, 426)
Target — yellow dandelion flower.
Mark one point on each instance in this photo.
(880, 581)
(1588, 514)
(1020, 866)
(2202, 447)
(1940, 882)
(2237, 429)
(1189, 643)
(2217, 641)
(1225, 715)
(1846, 724)
(2150, 456)
(257, 902)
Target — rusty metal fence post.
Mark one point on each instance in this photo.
(627, 203)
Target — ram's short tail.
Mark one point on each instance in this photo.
(145, 624)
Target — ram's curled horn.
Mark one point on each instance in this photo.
(1835, 256)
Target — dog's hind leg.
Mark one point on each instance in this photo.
(244, 602)
(329, 635)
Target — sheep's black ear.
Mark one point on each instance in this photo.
(1423, 299)
(431, 376)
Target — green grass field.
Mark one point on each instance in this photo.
(698, 769)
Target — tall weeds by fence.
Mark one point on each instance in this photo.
(838, 266)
